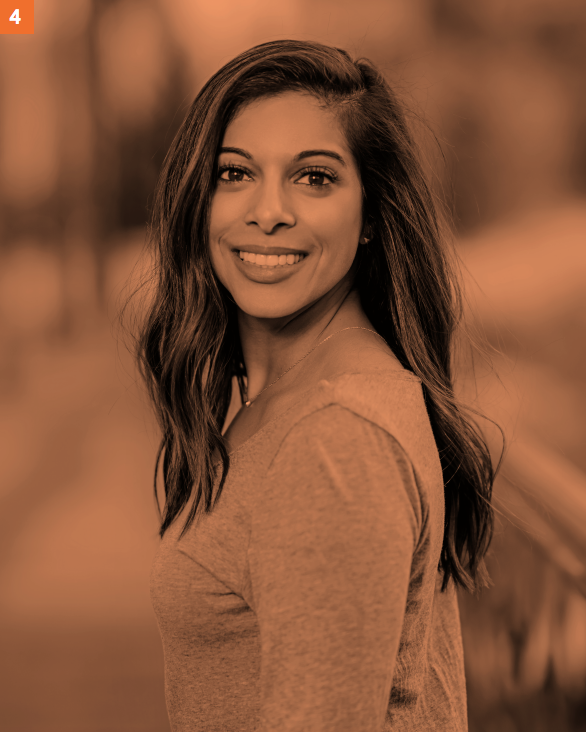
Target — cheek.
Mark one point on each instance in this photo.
(216, 227)
(215, 219)
(224, 209)
(339, 223)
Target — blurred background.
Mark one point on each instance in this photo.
(88, 107)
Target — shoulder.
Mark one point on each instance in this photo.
(338, 424)
(357, 406)
(335, 462)
(336, 437)
(351, 351)
(389, 399)
(368, 420)
(343, 433)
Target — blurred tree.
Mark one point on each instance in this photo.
(508, 105)
(139, 90)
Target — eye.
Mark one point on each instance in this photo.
(319, 173)
(314, 173)
(233, 172)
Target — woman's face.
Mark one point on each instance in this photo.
(286, 183)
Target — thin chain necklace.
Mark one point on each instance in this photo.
(250, 401)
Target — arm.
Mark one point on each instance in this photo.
(331, 548)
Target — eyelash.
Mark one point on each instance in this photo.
(312, 169)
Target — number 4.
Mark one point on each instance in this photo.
(15, 17)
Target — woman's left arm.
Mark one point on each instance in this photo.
(332, 542)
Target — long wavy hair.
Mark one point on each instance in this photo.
(188, 348)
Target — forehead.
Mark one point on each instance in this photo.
(281, 123)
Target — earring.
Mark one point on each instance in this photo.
(365, 240)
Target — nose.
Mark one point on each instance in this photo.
(270, 207)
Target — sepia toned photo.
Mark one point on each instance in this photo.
(292, 366)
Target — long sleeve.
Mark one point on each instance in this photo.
(331, 547)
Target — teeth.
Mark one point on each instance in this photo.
(271, 260)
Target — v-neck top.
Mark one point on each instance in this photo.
(309, 599)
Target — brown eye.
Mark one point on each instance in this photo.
(234, 173)
(320, 174)
(312, 177)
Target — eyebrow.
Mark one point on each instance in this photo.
(300, 156)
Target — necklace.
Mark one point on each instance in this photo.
(250, 401)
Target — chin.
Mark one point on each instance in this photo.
(268, 312)
(266, 307)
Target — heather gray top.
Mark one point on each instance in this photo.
(308, 601)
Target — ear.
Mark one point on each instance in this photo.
(366, 235)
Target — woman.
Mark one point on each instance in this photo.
(299, 257)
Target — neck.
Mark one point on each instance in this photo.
(270, 346)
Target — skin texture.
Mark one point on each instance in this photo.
(277, 203)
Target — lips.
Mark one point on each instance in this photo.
(265, 274)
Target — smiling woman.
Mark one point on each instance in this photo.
(299, 342)
(281, 205)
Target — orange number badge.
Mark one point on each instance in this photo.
(17, 16)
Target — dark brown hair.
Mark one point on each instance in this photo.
(189, 347)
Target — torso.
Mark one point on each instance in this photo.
(350, 351)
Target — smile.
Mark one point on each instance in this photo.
(269, 271)
(270, 260)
